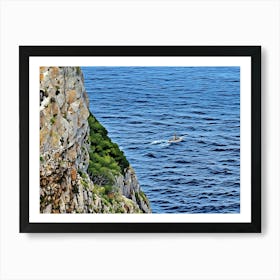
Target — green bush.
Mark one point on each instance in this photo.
(108, 189)
(52, 120)
(106, 159)
(78, 69)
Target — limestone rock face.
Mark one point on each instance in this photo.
(130, 188)
(65, 186)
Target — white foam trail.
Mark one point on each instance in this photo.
(163, 142)
(158, 142)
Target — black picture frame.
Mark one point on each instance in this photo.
(254, 52)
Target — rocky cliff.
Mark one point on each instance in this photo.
(81, 170)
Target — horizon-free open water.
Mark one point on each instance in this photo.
(142, 107)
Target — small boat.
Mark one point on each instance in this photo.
(175, 139)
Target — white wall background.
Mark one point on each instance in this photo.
(139, 256)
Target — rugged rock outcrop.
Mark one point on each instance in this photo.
(65, 143)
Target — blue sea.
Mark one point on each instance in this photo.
(143, 107)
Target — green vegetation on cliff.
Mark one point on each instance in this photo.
(106, 159)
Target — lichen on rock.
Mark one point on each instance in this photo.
(67, 153)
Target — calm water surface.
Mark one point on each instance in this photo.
(142, 107)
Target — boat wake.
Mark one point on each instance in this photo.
(161, 143)
(158, 142)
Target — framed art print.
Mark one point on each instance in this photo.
(140, 138)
